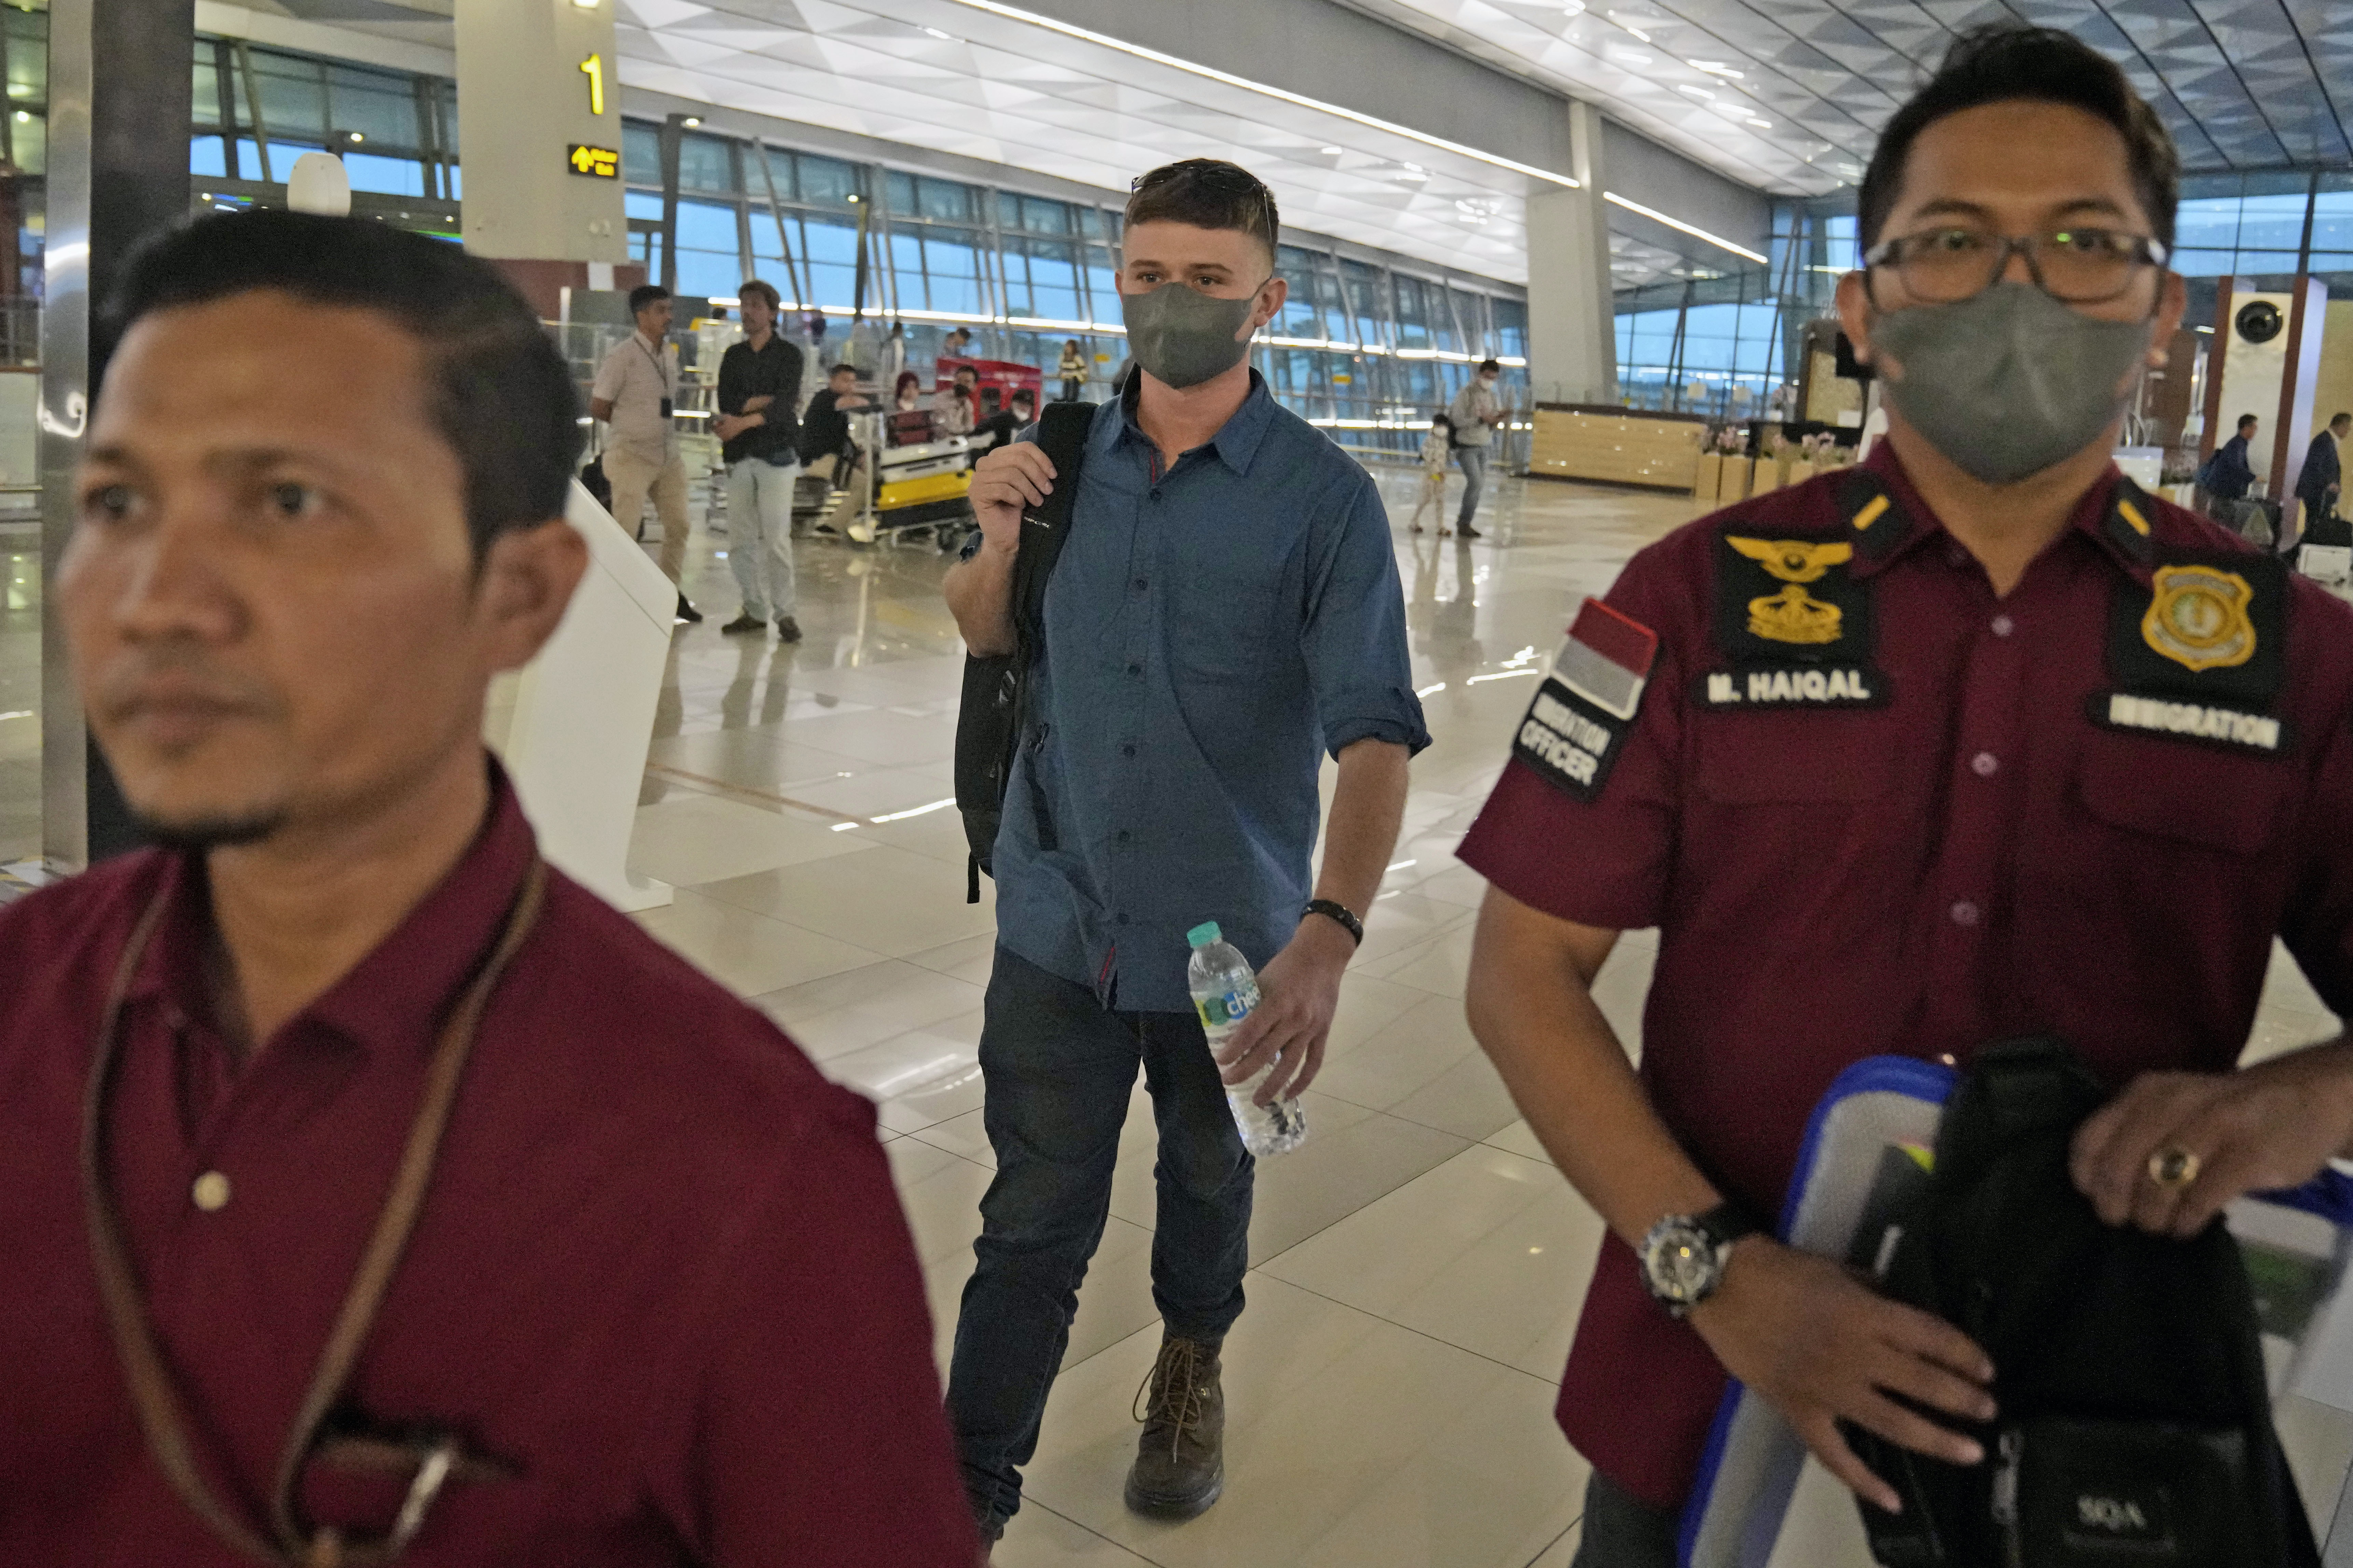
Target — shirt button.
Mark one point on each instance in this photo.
(1965, 913)
(1983, 764)
(1121, 918)
(1127, 751)
(1123, 836)
(1141, 583)
(1135, 670)
(210, 1192)
(2003, 626)
(1156, 495)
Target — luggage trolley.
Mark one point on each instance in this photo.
(1761, 1502)
(920, 482)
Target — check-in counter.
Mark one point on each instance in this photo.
(1609, 445)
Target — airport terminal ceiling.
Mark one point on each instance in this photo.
(1783, 97)
(1788, 96)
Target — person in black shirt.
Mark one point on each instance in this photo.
(829, 453)
(759, 382)
(2320, 482)
(1005, 423)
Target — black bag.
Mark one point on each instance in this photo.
(994, 714)
(2134, 1424)
(2327, 528)
(593, 480)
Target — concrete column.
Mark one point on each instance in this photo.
(1572, 336)
(118, 170)
(537, 79)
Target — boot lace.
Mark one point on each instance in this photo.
(1171, 1394)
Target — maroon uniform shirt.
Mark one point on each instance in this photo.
(660, 1270)
(1873, 809)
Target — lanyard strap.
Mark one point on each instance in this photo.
(153, 1390)
(662, 367)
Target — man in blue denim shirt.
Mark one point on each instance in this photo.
(1226, 609)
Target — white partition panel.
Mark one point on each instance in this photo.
(574, 725)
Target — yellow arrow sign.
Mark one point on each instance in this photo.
(604, 163)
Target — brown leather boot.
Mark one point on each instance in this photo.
(1180, 1460)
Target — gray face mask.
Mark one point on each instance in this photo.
(2008, 381)
(1182, 336)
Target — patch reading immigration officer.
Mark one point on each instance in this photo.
(1576, 725)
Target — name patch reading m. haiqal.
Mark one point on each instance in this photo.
(1794, 686)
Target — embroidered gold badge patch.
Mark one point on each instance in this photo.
(1793, 615)
(2198, 617)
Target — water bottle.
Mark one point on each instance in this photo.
(1224, 990)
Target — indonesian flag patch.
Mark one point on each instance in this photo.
(1578, 723)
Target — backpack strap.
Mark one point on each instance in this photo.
(1062, 429)
(998, 687)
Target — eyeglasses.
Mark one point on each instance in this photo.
(1226, 179)
(2074, 265)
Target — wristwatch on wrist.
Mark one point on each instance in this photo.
(1683, 1256)
(1341, 912)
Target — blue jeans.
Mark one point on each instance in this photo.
(1475, 476)
(760, 536)
(1059, 1068)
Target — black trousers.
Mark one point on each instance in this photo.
(1622, 1533)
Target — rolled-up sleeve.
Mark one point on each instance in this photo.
(1358, 660)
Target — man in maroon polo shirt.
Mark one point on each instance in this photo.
(1976, 741)
(429, 1209)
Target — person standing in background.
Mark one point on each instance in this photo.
(2319, 484)
(864, 348)
(2228, 475)
(759, 384)
(1474, 415)
(827, 448)
(1073, 371)
(958, 406)
(1434, 449)
(635, 395)
(894, 356)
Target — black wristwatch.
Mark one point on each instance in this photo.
(1341, 912)
(1683, 1256)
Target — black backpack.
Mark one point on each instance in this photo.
(995, 711)
(2135, 1426)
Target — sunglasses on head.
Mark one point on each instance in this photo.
(1223, 178)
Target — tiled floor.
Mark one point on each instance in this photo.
(1417, 1264)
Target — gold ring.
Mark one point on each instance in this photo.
(2173, 1167)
